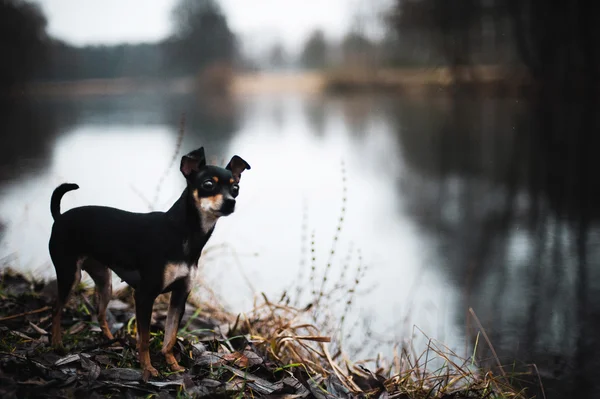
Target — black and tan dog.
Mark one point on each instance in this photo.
(153, 252)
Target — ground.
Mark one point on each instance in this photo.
(267, 354)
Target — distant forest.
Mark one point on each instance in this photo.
(202, 36)
(556, 42)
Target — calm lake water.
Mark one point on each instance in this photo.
(449, 204)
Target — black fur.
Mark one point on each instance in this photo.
(138, 246)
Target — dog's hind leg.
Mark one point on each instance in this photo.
(68, 274)
(103, 281)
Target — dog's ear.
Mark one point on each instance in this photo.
(237, 165)
(192, 162)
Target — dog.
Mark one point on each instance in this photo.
(154, 252)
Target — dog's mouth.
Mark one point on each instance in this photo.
(224, 212)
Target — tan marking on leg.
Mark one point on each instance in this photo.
(143, 314)
(103, 281)
(144, 353)
(56, 328)
(170, 340)
(176, 309)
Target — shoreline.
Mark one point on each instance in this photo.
(270, 350)
(404, 81)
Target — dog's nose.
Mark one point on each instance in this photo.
(228, 205)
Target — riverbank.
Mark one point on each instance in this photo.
(406, 81)
(270, 351)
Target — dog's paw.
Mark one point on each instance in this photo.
(172, 362)
(148, 372)
(106, 332)
(175, 367)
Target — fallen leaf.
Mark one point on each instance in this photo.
(208, 359)
(198, 349)
(236, 358)
(66, 360)
(33, 381)
(39, 330)
(92, 368)
(258, 384)
(77, 328)
(253, 358)
(103, 359)
(21, 335)
(210, 383)
(122, 374)
(236, 385)
(95, 328)
(162, 384)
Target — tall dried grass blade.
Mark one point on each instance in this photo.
(487, 339)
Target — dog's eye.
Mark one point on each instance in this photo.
(208, 185)
(235, 189)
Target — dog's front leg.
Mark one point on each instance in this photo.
(143, 315)
(176, 309)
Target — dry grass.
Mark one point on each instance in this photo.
(288, 82)
(218, 79)
(312, 338)
(426, 81)
(294, 347)
(283, 332)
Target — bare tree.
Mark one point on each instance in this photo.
(23, 41)
(201, 35)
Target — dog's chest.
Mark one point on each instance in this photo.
(175, 272)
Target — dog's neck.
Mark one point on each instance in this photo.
(197, 230)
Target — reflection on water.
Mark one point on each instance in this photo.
(454, 203)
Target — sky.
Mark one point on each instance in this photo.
(259, 22)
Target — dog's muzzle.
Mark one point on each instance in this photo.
(228, 206)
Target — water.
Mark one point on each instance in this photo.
(451, 204)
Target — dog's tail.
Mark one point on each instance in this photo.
(57, 196)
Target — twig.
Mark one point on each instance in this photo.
(26, 313)
(122, 341)
(540, 379)
(142, 197)
(172, 161)
(24, 358)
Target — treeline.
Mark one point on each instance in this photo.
(556, 41)
(319, 52)
(23, 41)
(201, 37)
(66, 62)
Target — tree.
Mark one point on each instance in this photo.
(314, 54)
(277, 56)
(358, 49)
(556, 41)
(23, 41)
(202, 36)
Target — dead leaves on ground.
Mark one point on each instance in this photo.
(270, 352)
